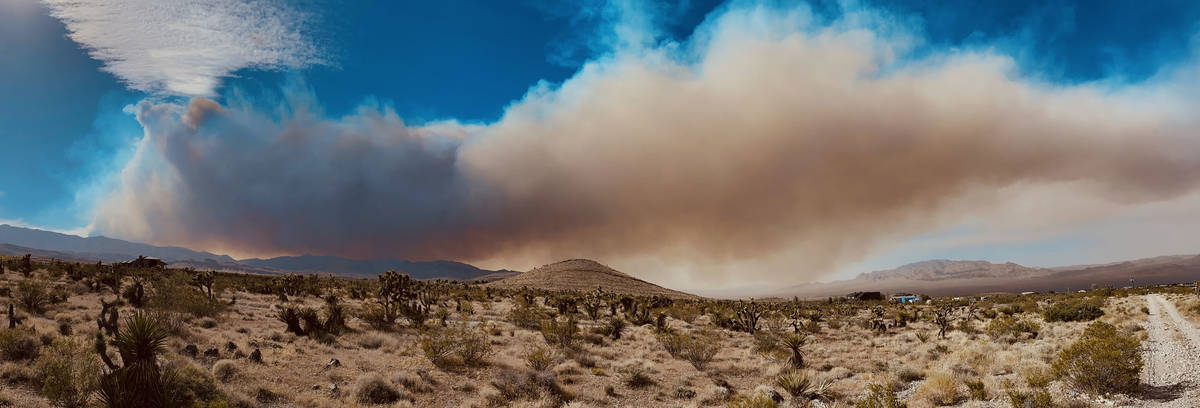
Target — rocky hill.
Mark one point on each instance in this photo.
(584, 275)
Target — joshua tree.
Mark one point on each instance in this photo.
(942, 319)
(13, 321)
(107, 320)
(748, 315)
(25, 266)
(204, 280)
(593, 302)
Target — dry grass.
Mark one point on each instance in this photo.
(516, 366)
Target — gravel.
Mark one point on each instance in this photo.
(1172, 357)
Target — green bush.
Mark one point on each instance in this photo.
(449, 346)
(527, 317)
(695, 348)
(562, 334)
(373, 389)
(33, 295)
(1012, 330)
(190, 385)
(1034, 399)
(757, 400)
(71, 372)
(173, 295)
(1074, 311)
(19, 344)
(1103, 360)
(880, 396)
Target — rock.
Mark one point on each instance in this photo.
(191, 350)
(333, 388)
(256, 356)
(333, 362)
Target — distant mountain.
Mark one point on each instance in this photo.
(16, 250)
(941, 269)
(584, 275)
(370, 267)
(98, 248)
(947, 277)
(46, 244)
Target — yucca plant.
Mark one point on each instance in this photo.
(793, 342)
(138, 381)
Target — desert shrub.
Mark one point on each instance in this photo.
(527, 317)
(448, 346)
(190, 385)
(880, 396)
(172, 294)
(377, 317)
(940, 389)
(371, 341)
(224, 370)
(1011, 330)
(683, 393)
(373, 389)
(19, 344)
(766, 342)
(687, 312)
(539, 358)
(1038, 376)
(71, 373)
(1074, 311)
(514, 385)
(1103, 360)
(908, 375)
(33, 295)
(563, 334)
(755, 400)
(695, 348)
(976, 389)
(20, 374)
(634, 376)
(1031, 399)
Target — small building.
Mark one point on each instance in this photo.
(906, 298)
(863, 296)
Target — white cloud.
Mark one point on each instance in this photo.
(182, 47)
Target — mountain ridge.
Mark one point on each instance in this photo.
(48, 244)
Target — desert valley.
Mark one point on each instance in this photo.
(577, 333)
(599, 203)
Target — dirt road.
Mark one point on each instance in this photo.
(1172, 357)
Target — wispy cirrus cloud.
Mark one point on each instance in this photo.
(185, 48)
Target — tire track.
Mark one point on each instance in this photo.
(1171, 354)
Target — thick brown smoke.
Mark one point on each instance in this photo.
(802, 148)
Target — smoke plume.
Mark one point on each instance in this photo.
(767, 147)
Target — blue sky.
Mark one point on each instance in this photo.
(69, 127)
